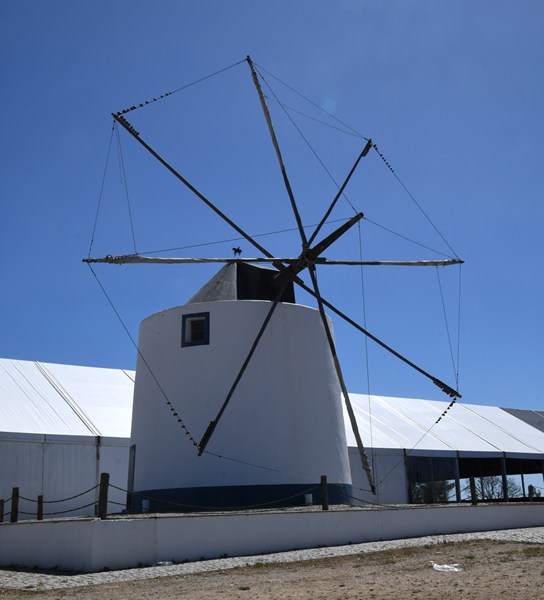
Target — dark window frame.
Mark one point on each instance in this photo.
(186, 340)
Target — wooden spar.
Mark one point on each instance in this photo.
(365, 151)
(122, 121)
(137, 259)
(278, 152)
(443, 386)
(213, 424)
(395, 263)
(133, 259)
(352, 418)
(319, 248)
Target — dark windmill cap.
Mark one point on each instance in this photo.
(242, 281)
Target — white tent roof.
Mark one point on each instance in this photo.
(406, 423)
(43, 398)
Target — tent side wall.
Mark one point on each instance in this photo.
(59, 467)
(389, 471)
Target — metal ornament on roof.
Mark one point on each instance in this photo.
(288, 270)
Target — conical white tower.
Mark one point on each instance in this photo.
(283, 427)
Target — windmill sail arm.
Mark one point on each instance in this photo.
(213, 424)
(136, 135)
(138, 259)
(353, 420)
(452, 393)
(365, 151)
(275, 143)
(396, 263)
(319, 248)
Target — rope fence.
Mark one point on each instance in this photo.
(63, 499)
(102, 501)
(101, 504)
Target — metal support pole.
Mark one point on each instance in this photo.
(457, 482)
(1, 510)
(324, 493)
(504, 480)
(103, 496)
(40, 508)
(14, 504)
(473, 495)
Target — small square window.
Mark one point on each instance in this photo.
(195, 329)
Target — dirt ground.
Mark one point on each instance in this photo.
(489, 570)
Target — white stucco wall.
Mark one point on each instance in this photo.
(89, 545)
(285, 415)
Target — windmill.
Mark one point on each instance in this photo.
(287, 272)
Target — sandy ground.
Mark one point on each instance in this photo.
(490, 569)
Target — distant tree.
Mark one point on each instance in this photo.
(490, 488)
(532, 492)
(430, 492)
(514, 490)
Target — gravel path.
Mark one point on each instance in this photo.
(27, 581)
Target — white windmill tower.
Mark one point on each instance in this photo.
(284, 426)
(251, 378)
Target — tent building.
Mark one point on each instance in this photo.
(61, 430)
(60, 427)
(421, 455)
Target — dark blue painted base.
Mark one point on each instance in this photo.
(243, 497)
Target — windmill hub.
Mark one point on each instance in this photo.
(307, 259)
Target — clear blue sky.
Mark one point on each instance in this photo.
(452, 93)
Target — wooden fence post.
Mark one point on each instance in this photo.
(14, 504)
(324, 493)
(103, 496)
(40, 508)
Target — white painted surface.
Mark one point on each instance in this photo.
(411, 424)
(90, 545)
(44, 398)
(60, 427)
(59, 467)
(104, 395)
(285, 414)
(388, 467)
